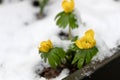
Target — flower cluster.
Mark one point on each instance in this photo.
(82, 50)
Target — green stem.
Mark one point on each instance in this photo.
(69, 34)
(41, 8)
(41, 11)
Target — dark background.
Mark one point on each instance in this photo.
(110, 71)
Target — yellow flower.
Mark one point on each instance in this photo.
(87, 41)
(45, 46)
(90, 33)
(68, 5)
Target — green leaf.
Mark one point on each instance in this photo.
(73, 47)
(84, 56)
(74, 38)
(64, 19)
(63, 22)
(90, 54)
(79, 59)
(59, 52)
(80, 62)
(57, 59)
(73, 21)
(55, 56)
(88, 58)
(59, 14)
(51, 61)
(44, 56)
(76, 58)
(94, 50)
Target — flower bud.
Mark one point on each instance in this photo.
(68, 5)
(45, 46)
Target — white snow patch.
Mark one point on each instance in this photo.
(57, 42)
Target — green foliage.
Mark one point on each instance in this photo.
(74, 38)
(44, 56)
(83, 56)
(73, 47)
(42, 5)
(54, 57)
(74, 55)
(65, 19)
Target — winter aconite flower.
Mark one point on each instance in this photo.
(87, 41)
(68, 5)
(90, 33)
(45, 46)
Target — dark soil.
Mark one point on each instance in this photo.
(63, 35)
(35, 3)
(52, 72)
(40, 16)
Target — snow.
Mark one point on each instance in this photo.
(21, 33)
(57, 42)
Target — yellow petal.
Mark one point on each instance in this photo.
(68, 5)
(79, 44)
(45, 46)
(43, 43)
(87, 41)
(90, 33)
(43, 49)
(50, 44)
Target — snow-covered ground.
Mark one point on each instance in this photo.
(21, 33)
